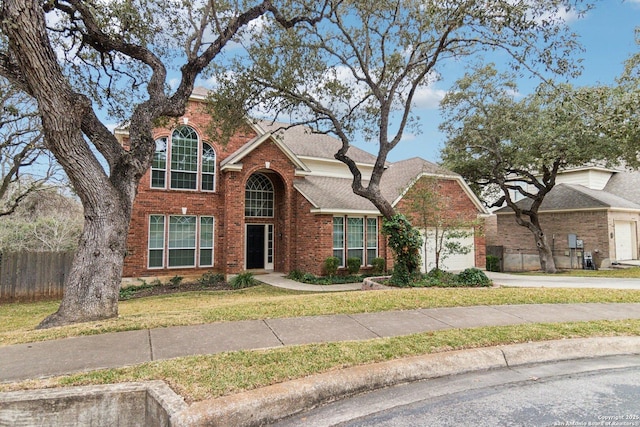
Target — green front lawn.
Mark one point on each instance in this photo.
(201, 377)
(198, 378)
(17, 321)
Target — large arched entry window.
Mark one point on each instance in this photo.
(258, 196)
(259, 205)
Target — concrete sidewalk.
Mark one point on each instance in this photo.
(65, 356)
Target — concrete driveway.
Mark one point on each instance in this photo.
(561, 281)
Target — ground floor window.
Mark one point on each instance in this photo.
(358, 236)
(180, 241)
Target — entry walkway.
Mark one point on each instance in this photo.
(501, 279)
(65, 356)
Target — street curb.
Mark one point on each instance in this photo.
(269, 404)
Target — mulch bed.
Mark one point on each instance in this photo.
(166, 289)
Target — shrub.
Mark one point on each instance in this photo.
(438, 277)
(308, 278)
(176, 280)
(492, 263)
(331, 265)
(353, 265)
(473, 277)
(295, 275)
(243, 280)
(211, 279)
(378, 265)
(405, 241)
(401, 276)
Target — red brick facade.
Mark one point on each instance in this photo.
(301, 239)
(456, 205)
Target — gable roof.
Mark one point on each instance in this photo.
(304, 143)
(571, 197)
(335, 195)
(233, 162)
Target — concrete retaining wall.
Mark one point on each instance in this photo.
(132, 404)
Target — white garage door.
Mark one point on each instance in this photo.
(624, 239)
(451, 262)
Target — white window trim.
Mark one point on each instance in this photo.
(195, 244)
(215, 167)
(199, 243)
(343, 239)
(166, 160)
(365, 241)
(164, 242)
(165, 248)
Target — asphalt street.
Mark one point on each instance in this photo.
(588, 392)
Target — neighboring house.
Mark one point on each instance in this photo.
(270, 199)
(591, 213)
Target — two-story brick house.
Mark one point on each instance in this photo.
(269, 199)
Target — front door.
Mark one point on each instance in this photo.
(255, 246)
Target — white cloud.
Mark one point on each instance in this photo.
(428, 97)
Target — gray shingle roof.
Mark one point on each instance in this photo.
(305, 143)
(625, 185)
(574, 197)
(332, 194)
(400, 175)
(335, 194)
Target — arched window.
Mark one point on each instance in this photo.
(159, 165)
(258, 196)
(184, 158)
(208, 167)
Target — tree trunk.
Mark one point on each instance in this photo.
(92, 288)
(547, 263)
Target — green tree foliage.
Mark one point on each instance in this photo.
(405, 242)
(359, 72)
(431, 211)
(138, 59)
(519, 146)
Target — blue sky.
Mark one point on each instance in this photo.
(607, 35)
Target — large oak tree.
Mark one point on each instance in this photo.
(359, 73)
(518, 146)
(75, 56)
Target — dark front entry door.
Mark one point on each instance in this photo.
(255, 246)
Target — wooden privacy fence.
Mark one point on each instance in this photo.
(31, 276)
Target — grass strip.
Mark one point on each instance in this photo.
(17, 321)
(199, 378)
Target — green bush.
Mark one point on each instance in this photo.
(378, 265)
(492, 263)
(331, 265)
(473, 277)
(308, 278)
(438, 277)
(243, 280)
(176, 280)
(211, 279)
(353, 265)
(295, 275)
(401, 276)
(405, 241)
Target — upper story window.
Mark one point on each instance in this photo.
(208, 167)
(258, 200)
(192, 164)
(184, 158)
(159, 165)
